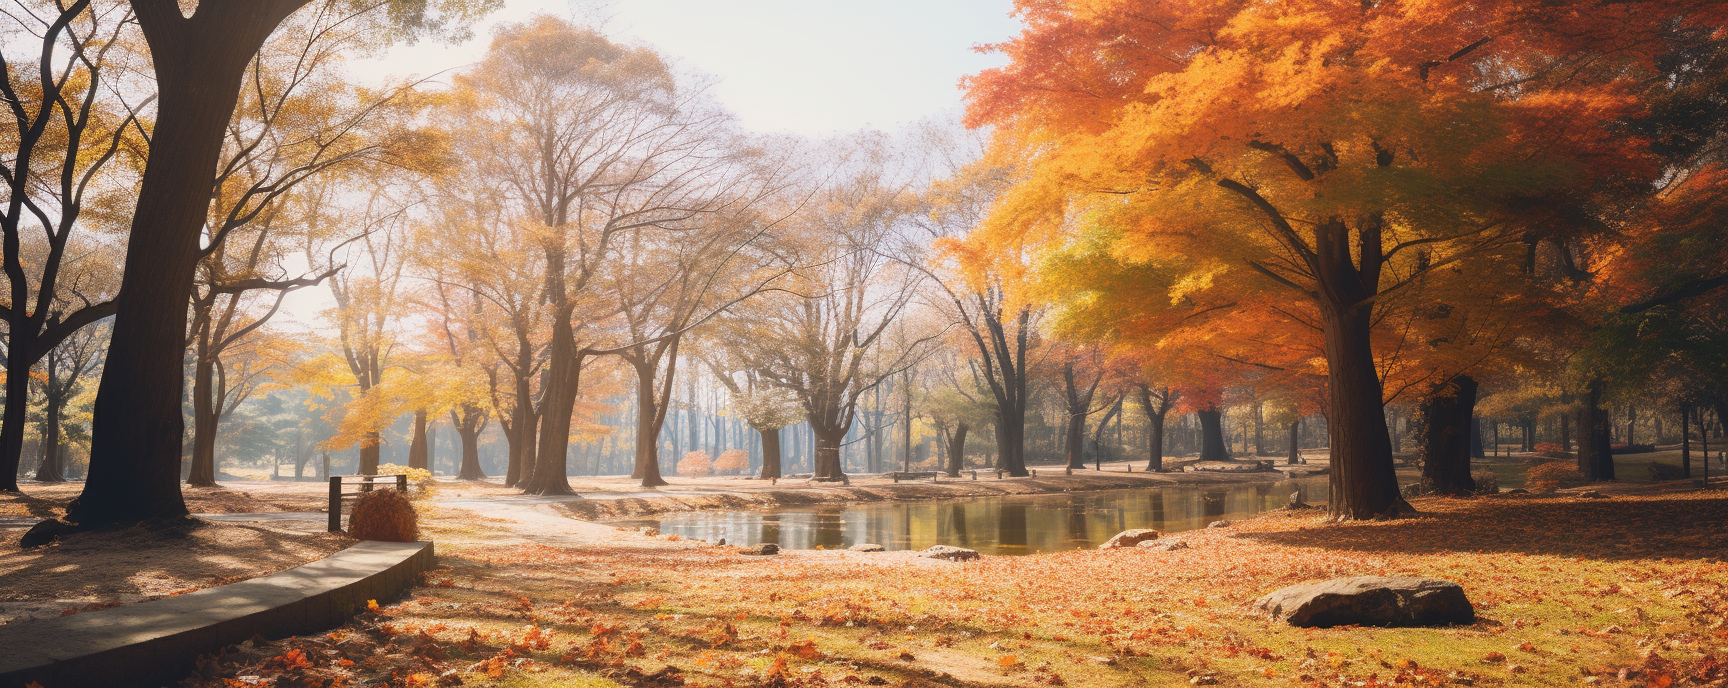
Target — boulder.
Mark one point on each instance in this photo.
(1297, 503)
(764, 549)
(1220, 524)
(1370, 601)
(1164, 546)
(949, 553)
(1130, 538)
(866, 547)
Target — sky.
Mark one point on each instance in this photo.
(807, 67)
(810, 67)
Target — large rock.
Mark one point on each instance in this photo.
(43, 533)
(764, 549)
(866, 547)
(949, 553)
(1130, 538)
(1371, 601)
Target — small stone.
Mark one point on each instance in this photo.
(1130, 538)
(1592, 494)
(1516, 668)
(650, 532)
(866, 547)
(1517, 491)
(949, 553)
(1219, 524)
(43, 533)
(1204, 680)
(764, 549)
(1493, 657)
(1163, 546)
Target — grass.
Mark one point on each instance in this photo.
(1566, 589)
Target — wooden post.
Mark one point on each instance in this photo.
(335, 504)
(402, 483)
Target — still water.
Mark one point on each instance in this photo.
(992, 525)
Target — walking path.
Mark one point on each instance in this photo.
(156, 642)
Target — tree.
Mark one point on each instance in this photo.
(1318, 150)
(369, 301)
(65, 369)
(67, 131)
(818, 339)
(199, 62)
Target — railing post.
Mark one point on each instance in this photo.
(402, 483)
(335, 503)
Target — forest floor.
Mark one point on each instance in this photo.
(1622, 590)
(104, 569)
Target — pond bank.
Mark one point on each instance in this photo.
(610, 499)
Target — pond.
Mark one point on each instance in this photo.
(992, 525)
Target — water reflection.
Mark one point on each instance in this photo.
(997, 525)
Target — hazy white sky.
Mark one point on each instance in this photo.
(809, 67)
(803, 66)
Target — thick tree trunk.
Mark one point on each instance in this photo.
(469, 431)
(521, 466)
(1364, 483)
(1074, 432)
(563, 378)
(1444, 431)
(1476, 437)
(770, 452)
(13, 418)
(957, 449)
(137, 430)
(1595, 460)
(370, 445)
(1155, 440)
(1212, 436)
(827, 465)
(417, 444)
(648, 422)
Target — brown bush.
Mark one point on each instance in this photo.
(383, 515)
(1553, 475)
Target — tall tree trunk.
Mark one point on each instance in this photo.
(1631, 422)
(521, 466)
(1444, 431)
(1295, 451)
(1155, 439)
(1595, 459)
(1686, 439)
(417, 444)
(53, 467)
(16, 404)
(957, 449)
(770, 452)
(199, 62)
(1259, 430)
(1476, 437)
(469, 430)
(563, 380)
(370, 444)
(827, 461)
(204, 416)
(648, 423)
(1212, 435)
(1074, 438)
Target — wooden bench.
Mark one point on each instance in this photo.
(914, 475)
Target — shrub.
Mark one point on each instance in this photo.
(383, 515)
(1487, 481)
(1552, 475)
(1548, 448)
(695, 463)
(420, 481)
(1666, 471)
(732, 461)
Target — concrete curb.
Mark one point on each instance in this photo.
(156, 643)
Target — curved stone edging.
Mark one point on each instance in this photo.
(157, 642)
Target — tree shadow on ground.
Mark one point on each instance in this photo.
(1643, 527)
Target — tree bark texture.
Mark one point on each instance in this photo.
(957, 449)
(417, 444)
(199, 62)
(770, 452)
(469, 424)
(1595, 435)
(1212, 436)
(1444, 430)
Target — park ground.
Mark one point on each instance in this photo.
(1624, 589)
